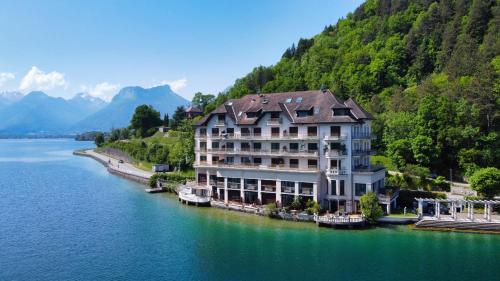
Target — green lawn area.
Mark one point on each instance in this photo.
(384, 160)
(408, 215)
(159, 137)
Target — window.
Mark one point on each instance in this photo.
(230, 145)
(229, 160)
(221, 117)
(257, 146)
(245, 160)
(305, 113)
(312, 163)
(215, 159)
(288, 186)
(294, 163)
(298, 100)
(294, 147)
(335, 131)
(312, 147)
(277, 161)
(342, 187)
(257, 161)
(203, 146)
(340, 112)
(275, 146)
(245, 146)
(333, 187)
(256, 131)
(203, 131)
(312, 131)
(215, 144)
(359, 189)
(275, 131)
(203, 158)
(294, 131)
(288, 100)
(230, 131)
(252, 114)
(245, 131)
(215, 131)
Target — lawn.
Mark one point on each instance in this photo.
(385, 161)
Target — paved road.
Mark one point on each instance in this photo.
(114, 164)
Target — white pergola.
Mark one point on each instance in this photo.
(469, 204)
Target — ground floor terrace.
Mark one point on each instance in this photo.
(258, 191)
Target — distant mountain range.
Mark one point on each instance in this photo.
(39, 114)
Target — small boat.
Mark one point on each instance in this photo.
(194, 194)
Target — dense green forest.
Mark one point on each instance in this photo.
(428, 71)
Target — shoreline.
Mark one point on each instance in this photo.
(126, 170)
(130, 172)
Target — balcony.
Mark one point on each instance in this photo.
(233, 185)
(201, 136)
(254, 166)
(250, 186)
(368, 169)
(335, 153)
(251, 136)
(363, 152)
(363, 136)
(306, 191)
(273, 121)
(335, 137)
(268, 188)
(336, 172)
(263, 152)
(201, 150)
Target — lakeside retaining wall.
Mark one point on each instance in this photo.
(135, 178)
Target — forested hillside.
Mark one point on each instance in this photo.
(428, 71)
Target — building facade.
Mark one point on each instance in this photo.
(269, 148)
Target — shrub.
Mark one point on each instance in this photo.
(271, 209)
(486, 181)
(370, 207)
(312, 207)
(296, 204)
(176, 177)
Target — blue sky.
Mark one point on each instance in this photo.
(65, 47)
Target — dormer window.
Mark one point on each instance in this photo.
(341, 112)
(305, 113)
(252, 114)
(298, 100)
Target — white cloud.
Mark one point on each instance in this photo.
(37, 79)
(174, 85)
(104, 90)
(6, 76)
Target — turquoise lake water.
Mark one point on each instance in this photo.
(63, 217)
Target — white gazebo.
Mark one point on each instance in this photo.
(458, 203)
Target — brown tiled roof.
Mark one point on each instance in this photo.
(321, 102)
(193, 110)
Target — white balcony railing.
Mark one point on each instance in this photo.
(251, 136)
(254, 166)
(334, 137)
(335, 171)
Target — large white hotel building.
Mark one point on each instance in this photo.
(274, 147)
